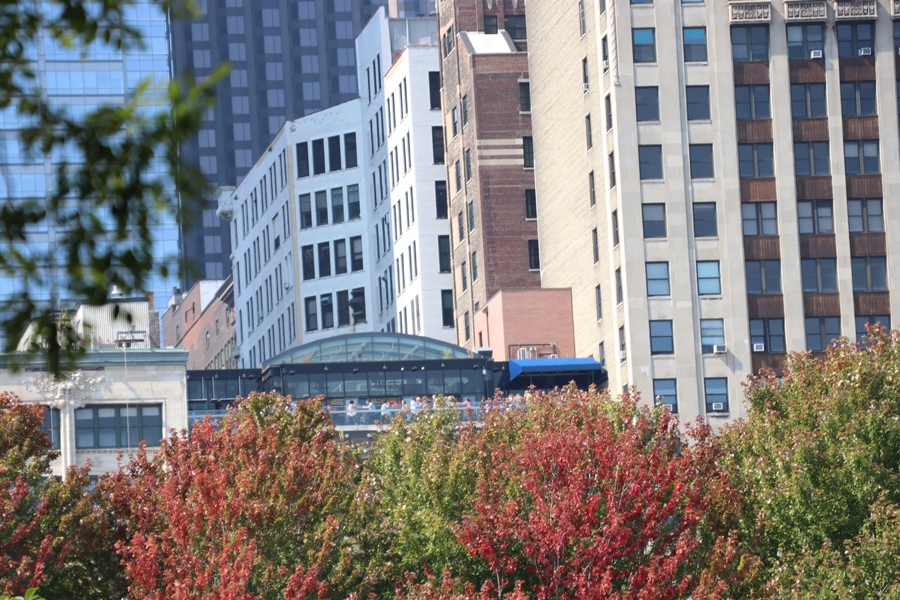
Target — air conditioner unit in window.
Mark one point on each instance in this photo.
(522, 353)
(236, 351)
(717, 407)
(606, 65)
(759, 347)
(623, 355)
(585, 87)
(865, 52)
(815, 54)
(552, 356)
(287, 285)
(719, 349)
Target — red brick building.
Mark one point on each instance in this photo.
(489, 154)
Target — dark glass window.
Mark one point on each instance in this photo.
(666, 394)
(694, 44)
(515, 26)
(759, 218)
(530, 204)
(654, 216)
(440, 199)
(658, 279)
(712, 334)
(318, 149)
(343, 308)
(857, 98)
(437, 144)
(644, 42)
(769, 333)
(806, 41)
(752, 102)
(697, 102)
(650, 159)
(750, 43)
(340, 257)
(716, 394)
(309, 262)
(534, 255)
(815, 216)
(708, 282)
(305, 211)
(356, 254)
(821, 332)
(444, 253)
(321, 208)
(861, 157)
(647, 103)
(755, 160)
(869, 273)
(434, 89)
(701, 161)
(104, 426)
(528, 151)
(855, 39)
(350, 150)
(524, 96)
(862, 323)
(447, 308)
(865, 215)
(763, 276)
(312, 312)
(661, 338)
(327, 307)
(303, 159)
(811, 158)
(490, 26)
(334, 153)
(807, 100)
(818, 274)
(324, 259)
(705, 223)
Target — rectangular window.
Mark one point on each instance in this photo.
(855, 39)
(705, 222)
(614, 220)
(530, 204)
(694, 44)
(324, 259)
(356, 254)
(598, 301)
(340, 257)
(434, 90)
(585, 74)
(712, 333)
(815, 216)
(534, 255)
(466, 326)
(524, 96)
(321, 208)
(697, 102)
(474, 266)
(460, 226)
(821, 332)
(309, 262)
(857, 98)
(595, 245)
(490, 25)
(654, 217)
(647, 103)
(808, 100)
(759, 218)
(818, 274)
(343, 308)
(312, 319)
(607, 103)
(715, 391)
(464, 104)
(650, 159)
(528, 151)
(457, 176)
(305, 211)
(661, 337)
(644, 41)
(464, 276)
(105, 426)
(447, 308)
(589, 136)
(612, 170)
(467, 155)
(515, 27)
(582, 24)
(865, 215)
(864, 322)
(592, 190)
(50, 426)
(708, 282)
(334, 153)
(440, 199)
(752, 102)
(454, 121)
(350, 150)
(437, 145)
(861, 157)
(318, 150)
(470, 215)
(811, 158)
(622, 344)
(869, 273)
(658, 279)
(767, 335)
(665, 394)
(701, 161)
(337, 205)
(302, 159)
(755, 160)
(750, 43)
(353, 211)
(763, 276)
(444, 253)
(805, 41)
(619, 291)
(327, 307)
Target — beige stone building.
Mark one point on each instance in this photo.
(116, 399)
(713, 182)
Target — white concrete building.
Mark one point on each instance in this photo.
(307, 211)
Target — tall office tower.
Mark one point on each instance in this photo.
(82, 79)
(731, 201)
(490, 156)
(288, 59)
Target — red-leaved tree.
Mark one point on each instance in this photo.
(33, 506)
(581, 496)
(248, 509)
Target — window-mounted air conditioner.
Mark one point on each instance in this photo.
(585, 87)
(865, 52)
(605, 65)
(236, 351)
(552, 356)
(623, 355)
(522, 353)
(815, 54)
(720, 349)
(717, 406)
(759, 347)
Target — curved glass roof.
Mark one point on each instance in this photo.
(370, 347)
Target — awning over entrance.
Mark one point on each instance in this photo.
(552, 365)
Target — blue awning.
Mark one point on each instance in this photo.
(552, 365)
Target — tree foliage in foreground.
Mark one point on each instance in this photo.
(818, 465)
(249, 509)
(36, 510)
(108, 195)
